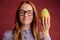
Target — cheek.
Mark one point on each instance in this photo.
(21, 18)
(31, 18)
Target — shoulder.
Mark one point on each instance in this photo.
(41, 35)
(8, 34)
(44, 38)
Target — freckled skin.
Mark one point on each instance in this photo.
(26, 19)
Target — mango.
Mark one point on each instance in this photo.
(44, 13)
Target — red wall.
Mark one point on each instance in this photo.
(8, 10)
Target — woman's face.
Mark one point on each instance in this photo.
(25, 13)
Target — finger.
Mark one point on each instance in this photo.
(42, 21)
(45, 21)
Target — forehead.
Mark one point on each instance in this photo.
(25, 7)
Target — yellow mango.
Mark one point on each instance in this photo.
(44, 13)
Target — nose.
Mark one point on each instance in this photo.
(25, 14)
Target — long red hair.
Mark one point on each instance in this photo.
(34, 24)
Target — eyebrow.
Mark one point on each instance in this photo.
(24, 10)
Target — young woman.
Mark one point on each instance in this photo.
(26, 25)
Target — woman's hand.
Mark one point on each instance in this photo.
(45, 21)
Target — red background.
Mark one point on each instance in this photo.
(8, 10)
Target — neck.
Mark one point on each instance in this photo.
(25, 27)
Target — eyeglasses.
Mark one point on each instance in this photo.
(22, 12)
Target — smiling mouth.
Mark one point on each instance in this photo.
(25, 19)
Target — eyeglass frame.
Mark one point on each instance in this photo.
(26, 12)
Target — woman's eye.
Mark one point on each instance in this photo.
(21, 12)
(30, 11)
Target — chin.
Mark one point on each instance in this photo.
(26, 23)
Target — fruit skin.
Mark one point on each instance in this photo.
(44, 13)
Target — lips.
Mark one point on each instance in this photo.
(25, 19)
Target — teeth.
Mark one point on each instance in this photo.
(44, 13)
